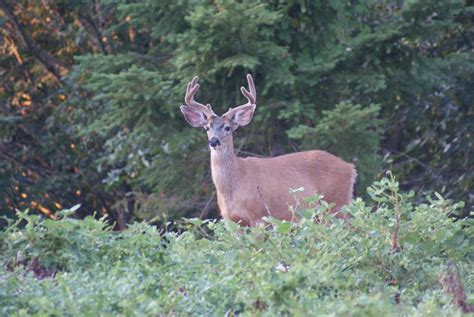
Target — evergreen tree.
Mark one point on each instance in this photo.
(384, 84)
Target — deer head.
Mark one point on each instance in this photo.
(219, 128)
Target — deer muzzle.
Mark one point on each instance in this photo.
(214, 142)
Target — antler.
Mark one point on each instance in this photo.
(250, 95)
(191, 90)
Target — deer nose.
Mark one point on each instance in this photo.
(214, 142)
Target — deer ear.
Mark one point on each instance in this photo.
(242, 115)
(194, 117)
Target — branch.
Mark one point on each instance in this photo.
(10, 41)
(49, 62)
(87, 19)
(19, 164)
(13, 48)
(452, 284)
(394, 240)
(207, 207)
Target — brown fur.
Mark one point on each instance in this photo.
(251, 188)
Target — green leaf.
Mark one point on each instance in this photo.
(306, 213)
(284, 227)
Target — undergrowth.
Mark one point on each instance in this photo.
(393, 257)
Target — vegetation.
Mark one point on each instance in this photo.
(89, 117)
(394, 257)
(90, 94)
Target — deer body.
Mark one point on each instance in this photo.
(251, 188)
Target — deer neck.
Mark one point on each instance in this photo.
(224, 171)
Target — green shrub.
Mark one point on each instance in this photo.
(388, 260)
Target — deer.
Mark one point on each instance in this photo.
(249, 189)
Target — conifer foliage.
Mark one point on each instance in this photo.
(90, 95)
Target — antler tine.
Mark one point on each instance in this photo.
(191, 90)
(252, 94)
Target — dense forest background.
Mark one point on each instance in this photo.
(90, 94)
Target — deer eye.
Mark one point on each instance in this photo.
(206, 128)
(227, 128)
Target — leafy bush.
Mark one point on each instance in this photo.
(97, 123)
(391, 258)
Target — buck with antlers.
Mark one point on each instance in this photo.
(251, 188)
